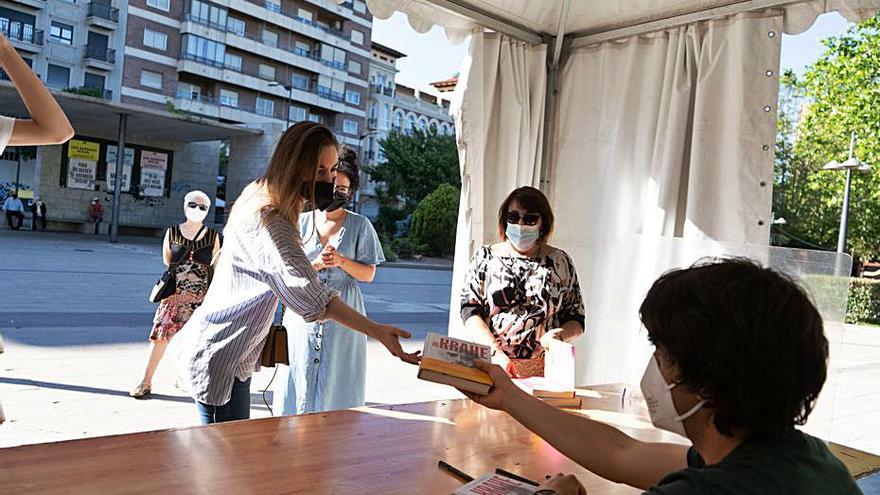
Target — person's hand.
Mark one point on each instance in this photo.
(564, 484)
(555, 334)
(503, 388)
(389, 336)
(318, 265)
(331, 257)
(4, 42)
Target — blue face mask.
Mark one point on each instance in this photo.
(522, 237)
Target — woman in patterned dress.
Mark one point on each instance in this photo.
(522, 292)
(193, 248)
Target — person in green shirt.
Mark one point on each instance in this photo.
(740, 358)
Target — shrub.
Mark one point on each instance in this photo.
(403, 247)
(863, 305)
(434, 222)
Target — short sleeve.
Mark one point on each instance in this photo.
(473, 292)
(572, 304)
(6, 126)
(368, 249)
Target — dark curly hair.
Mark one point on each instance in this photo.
(348, 165)
(745, 338)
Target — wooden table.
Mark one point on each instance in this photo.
(380, 450)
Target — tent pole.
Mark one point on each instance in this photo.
(490, 20)
(554, 54)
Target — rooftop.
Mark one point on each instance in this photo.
(387, 50)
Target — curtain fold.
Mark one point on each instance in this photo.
(499, 110)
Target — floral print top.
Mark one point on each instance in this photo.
(522, 298)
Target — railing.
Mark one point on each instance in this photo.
(325, 92)
(206, 22)
(16, 31)
(100, 54)
(206, 61)
(275, 7)
(382, 90)
(93, 92)
(104, 11)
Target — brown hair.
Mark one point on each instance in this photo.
(294, 163)
(533, 201)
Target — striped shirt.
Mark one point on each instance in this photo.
(261, 262)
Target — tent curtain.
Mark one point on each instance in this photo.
(665, 135)
(499, 110)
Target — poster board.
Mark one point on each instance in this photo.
(82, 163)
(127, 165)
(154, 165)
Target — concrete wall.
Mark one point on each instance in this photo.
(248, 158)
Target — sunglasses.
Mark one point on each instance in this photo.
(528, 219)
(193, 204)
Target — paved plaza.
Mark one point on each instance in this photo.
(74, 318)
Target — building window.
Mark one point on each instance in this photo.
(332, 56)
(357, 37)
(151, 79)
(155, 39)
(398, 121)
(189, 91)
(58, 77)
(411, 124)
(93, 81)
(305, 14)
(350, 127)
(354, 67)
(333, 89)
(302, 48)
(265, 107)
(62, 33)
(207, 13)
(267, 72)
(386, 115)
(204, 50)
(228, 98)
(301, 82)
(360, 7)
(353, 97)
(318, 119)
(233, 61)
(270, 38)
(235, 26)
(273, 5)
(160, 4)
(298, 114)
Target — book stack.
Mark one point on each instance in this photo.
(451, 362)
(495, 484)
(559, 398)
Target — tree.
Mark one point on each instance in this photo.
(434, 221)
(417, 163)
(840, 94)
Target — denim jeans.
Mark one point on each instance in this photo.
(238, 407)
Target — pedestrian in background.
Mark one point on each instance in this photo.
(96, 212)
(38, 212)
(14, 211)
(328, 362)
(191, 248)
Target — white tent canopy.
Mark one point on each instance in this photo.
(641, 120)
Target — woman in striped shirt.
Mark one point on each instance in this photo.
(262, 261)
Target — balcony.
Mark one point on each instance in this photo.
(105, 94)
(214, 108)
(325, 92)
(102, 15)
(34, 4)
(383, 90)
(100, 58)
(259, 10)
(23, 36)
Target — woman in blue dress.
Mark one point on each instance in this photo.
(328, 362)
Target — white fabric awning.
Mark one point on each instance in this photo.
(530, 19)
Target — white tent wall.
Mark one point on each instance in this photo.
(499, 126)
(671, 135)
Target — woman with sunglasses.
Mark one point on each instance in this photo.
(522, 292)
(192, 248)
(328, 362)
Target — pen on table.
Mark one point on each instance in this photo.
(515, 476)
(455, 472)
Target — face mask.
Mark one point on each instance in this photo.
(323, 195)
(339, 200)
(522, 237)
(658, 396)
(195, 214)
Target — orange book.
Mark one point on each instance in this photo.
(451, 362)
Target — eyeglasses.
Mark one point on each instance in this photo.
(528, 219)
(193, 204)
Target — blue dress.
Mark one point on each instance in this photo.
(328, 362)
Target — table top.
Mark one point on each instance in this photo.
(387, 449)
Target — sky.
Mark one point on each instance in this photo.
(432, 57)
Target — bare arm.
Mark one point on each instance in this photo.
(48, 124)
(216, 253)
(598, 447)
(479, 331)
(166, 249)
(360, 271)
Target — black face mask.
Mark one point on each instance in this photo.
(340, 199)
(323, 195)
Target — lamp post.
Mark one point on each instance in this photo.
(849, 165)
(289, 100)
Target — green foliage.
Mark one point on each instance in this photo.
(863, 305)
(403, 247)
(434, 221)
(837, 95)
(417, 163)
(93, 92)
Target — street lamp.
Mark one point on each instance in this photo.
(849, 165)
(289, 89)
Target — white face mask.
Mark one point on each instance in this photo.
(658, 396)
(194, 214)
(522, 237)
